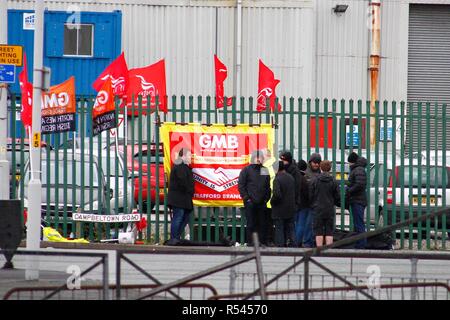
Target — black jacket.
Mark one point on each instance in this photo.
(283, 198)
(181, 187)
(293, 170)
(356, 191)
(310, 174)
(254, 185)
(324, 195)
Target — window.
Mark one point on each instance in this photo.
(78, 39)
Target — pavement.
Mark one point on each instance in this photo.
(168, 264)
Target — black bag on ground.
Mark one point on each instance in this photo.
(223, 242)
(382, 241)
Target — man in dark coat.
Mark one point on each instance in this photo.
(356, 194)
(304, 234)
(324, 196)
(254, 188)
(283, 206)
(181, 191)
(301, 187)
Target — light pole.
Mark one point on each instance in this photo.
(35, 186)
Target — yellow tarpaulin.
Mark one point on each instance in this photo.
(52, 235)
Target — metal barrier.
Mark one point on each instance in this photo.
(103, 261)
(95, 292)
(308, 258)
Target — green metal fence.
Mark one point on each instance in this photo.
(408, 173)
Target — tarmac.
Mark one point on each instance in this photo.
(168, 264)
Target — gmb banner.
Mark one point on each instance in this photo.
(219, 153)
(58, 108)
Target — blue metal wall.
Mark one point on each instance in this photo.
(107, 46)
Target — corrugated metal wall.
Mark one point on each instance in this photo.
(429, 69)
(343, 50)
(188, 33)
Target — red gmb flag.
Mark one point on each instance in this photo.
(26, 89)
(147, 82)
(266, 88)
(221, 74)
(103, 113)
(117, 71)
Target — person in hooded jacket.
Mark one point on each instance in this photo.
(355, 194)
(324, 196)
(283, 206)
(254, 188)
(304, 233)
(291, 168)
(180, 193)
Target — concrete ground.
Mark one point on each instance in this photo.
(169, 264)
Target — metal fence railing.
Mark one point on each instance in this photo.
(408, 165)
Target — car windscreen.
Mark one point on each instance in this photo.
(114, 165)
(151, 158)
(49, 174)
(415, 176)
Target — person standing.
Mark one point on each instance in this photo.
(299, 222)
(291, 168)
(254, 188)
(324, 195)
(283, 206)
(305, 219)
(180, 193)
(355, 194)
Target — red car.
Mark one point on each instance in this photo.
(139, 168)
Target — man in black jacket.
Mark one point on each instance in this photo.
(181, 191)
(304, 233)
(300, 181)
(283, 206)
(254, 188)
(324, 195)
(356, 194)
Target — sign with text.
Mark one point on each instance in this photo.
(219, 153)
(58, 108)
(10, 54)
(7, 73)
(87, 217)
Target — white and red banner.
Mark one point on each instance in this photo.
(103, 113)
(147, 82)
(266, 88)
(117, 72)
(58, 108)
(221, 73)
(219, 153)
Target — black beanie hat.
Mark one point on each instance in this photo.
(315, 157)
(302, 165)
(353, 157)
(286, 156)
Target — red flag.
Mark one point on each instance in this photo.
(103, 112)
(117, 71)
(221, 75)
(148, 81)
(266, 88)
(26, 89)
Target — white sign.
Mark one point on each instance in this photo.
(28, 21)
(106, 218)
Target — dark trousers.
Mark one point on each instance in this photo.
(180, 220)
(284, 232)
(256, 216)
(358, 223)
